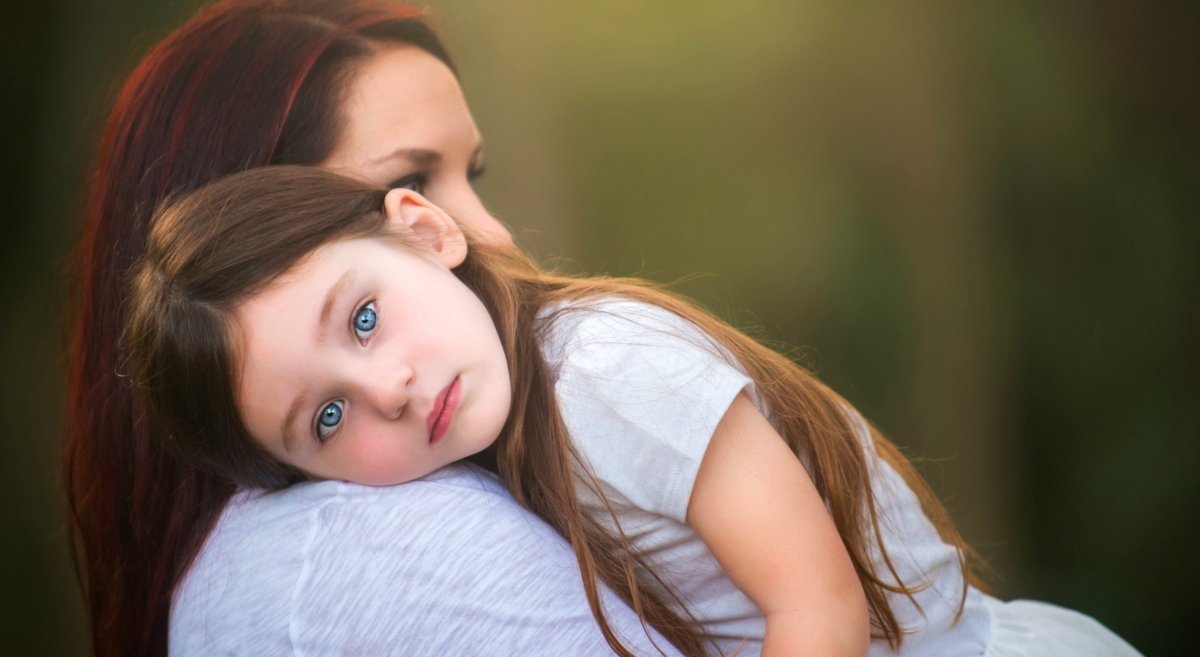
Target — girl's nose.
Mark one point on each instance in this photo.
(388, 390)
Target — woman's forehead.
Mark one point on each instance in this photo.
(403, 98)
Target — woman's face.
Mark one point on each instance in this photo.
(406, 124)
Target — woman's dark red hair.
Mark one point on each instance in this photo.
(244, 83)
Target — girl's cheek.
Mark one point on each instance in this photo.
(375, 462)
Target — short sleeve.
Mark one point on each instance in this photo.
(641, 391)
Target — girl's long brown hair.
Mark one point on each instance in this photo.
(221, 244)
(244, 83)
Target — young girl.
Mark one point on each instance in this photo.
(288, 323)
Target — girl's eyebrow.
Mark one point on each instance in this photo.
(335, 293)
(289, 419)
(331, 297)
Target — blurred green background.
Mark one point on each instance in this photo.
(978, 221)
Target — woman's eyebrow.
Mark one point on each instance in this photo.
(420, 157)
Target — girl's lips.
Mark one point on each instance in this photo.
(442, 413)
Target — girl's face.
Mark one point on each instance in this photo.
(371, 362)
(406, 124)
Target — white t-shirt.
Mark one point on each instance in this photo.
(446, 565)
(641, 391)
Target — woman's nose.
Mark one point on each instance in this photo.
(468, 210)
(388, 389)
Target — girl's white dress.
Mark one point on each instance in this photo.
(641, 391)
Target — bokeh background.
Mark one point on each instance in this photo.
(977, 220)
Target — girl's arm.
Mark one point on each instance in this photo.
(757, 510)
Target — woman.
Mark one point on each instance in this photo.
(367, 89)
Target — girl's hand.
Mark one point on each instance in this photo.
(757, 510)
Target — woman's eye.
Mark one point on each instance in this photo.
(365, 319)
(416, 182)
(329, 419)
(476, 171)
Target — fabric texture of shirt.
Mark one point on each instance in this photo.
(446, 565)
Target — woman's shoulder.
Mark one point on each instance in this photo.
(351, 521)
(329, 540)
(338, 568)
(456, 480)
(260, 512)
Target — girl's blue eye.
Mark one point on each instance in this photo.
(365, 319)
(329, 419)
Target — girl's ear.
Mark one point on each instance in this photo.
(428, 222)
